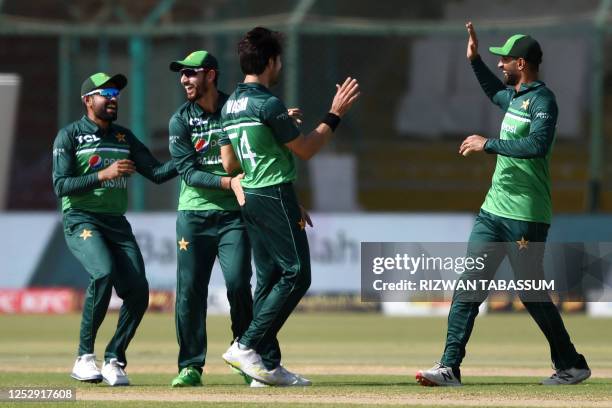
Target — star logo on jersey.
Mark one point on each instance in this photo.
(183, 244)
(525, 104)
(95, 162)
(523, 243)
(85, 234)
(201, 146)
(302, 224)
(120, 137)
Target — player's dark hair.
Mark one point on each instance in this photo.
(256, 49)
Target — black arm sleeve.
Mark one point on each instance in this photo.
(492, 86)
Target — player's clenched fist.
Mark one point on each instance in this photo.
(119, 168)
(472, 47)
(296, 114)
(346, 94)
(473, 143)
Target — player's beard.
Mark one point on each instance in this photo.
(511, 78)
(101, 111)
(199, 90)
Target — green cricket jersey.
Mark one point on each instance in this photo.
(258, 126)
(194, 146)
(520, 188)
(81, 149)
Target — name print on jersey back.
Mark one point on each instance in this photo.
(238, 105)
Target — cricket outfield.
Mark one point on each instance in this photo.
(353, 360)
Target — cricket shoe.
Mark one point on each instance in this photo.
(113, 373)
(439, 375)
(249, 362)
(86, 370)
(284, 378)
(570, 376)
(188, 377)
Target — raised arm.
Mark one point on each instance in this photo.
(492, 86)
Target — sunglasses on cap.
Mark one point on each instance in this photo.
(108, 93)
(191, 72)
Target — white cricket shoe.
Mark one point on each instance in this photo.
(284, 378)
(258, 384)
(85, 369)
(567, 377)
(293, 378)
(439, 375)
(113, 373)
(249, 362)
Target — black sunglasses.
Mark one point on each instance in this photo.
(191, 72)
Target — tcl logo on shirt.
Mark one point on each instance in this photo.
(197, 122)
(87, 138)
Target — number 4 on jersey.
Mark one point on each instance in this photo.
(245, 149)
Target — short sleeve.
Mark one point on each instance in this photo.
(274, 114)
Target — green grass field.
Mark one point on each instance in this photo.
(353, 360)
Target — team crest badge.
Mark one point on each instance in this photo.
(525, 104)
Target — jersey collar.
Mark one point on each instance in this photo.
(198, 111)
(529, 86)
(90, 126)
(253, 85)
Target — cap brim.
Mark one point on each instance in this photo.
(176, 66)
(119, 80)
(498, 51)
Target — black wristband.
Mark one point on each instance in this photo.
(332, 120)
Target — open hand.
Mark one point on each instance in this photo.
(346, 94)
(472, 46)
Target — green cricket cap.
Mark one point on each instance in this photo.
(520, 46)
(99, 80)
(197, 59)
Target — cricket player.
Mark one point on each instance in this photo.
(517, 208)
(209, 222)
(92, 160)
(265, 138)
